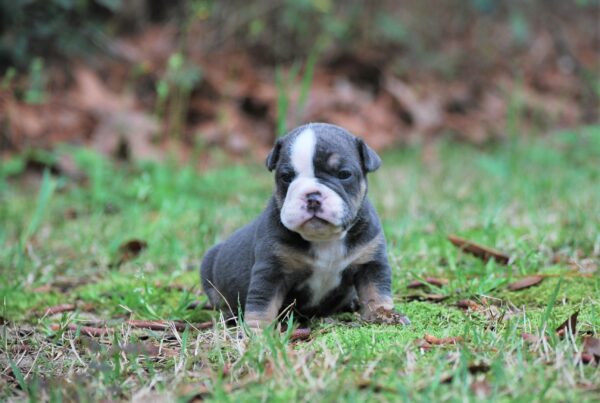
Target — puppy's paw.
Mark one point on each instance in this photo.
(257, 323)
(383, 315)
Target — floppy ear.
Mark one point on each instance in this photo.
(273, 157)
(370, 159)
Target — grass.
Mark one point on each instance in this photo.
(537, 200)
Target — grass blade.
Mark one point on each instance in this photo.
(307, 79)
(18, 375)
(282, 102)
(551, 303)
(46, 190)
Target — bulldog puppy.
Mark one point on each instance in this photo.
(318, 245)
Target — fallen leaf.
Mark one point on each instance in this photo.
(441, 341)
(86, 330)
(53, 310)
(426, 297)
(166, 325)
(149, 349)
(473, 370)
(127, 134)
(469, 305)
(587, 358)
(42, 288)
(71, 214)
(531, 338)
(568, 325)
(525, 282)
(63, 284)
(423, 344)
(300, 334)
(157, 324)
(588, 386)
(478, 368)
(375, 387)
(591, 345)
(22, 348)
(203, 325)
(479, 251)
(131, 249)
(481, 388)
(438, 282)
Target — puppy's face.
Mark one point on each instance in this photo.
(320, 177)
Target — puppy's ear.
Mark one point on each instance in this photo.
(273, 157)
(370, 159)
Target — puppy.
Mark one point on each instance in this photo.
(318, 245)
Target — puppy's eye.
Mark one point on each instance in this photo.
(344, 174)
(287, 177)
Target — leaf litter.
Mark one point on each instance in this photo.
(525, 282)
(482, 252)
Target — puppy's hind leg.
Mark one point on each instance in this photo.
(207, 276)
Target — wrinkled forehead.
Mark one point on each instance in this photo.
(319, 147)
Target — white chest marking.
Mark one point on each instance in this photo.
(329, 262)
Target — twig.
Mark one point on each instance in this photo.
(479, 251)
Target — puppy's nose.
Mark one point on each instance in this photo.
(313, 201)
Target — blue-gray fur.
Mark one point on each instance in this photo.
(248, 270)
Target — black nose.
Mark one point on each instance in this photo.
(313, 201)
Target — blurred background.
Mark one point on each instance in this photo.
(195, 79)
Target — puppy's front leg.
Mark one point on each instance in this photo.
(373, 283)
(265, 296)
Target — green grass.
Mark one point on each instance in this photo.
(534, 199)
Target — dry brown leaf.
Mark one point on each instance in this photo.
(479, 251)
(149, 349)
(469, 305)
(42, 288)
(131, 249)
(531, 338)
(473, 370)
(478, 368)
(375, 387)
(441, 341)
(423, 344)
(157, 324)
(86, 330)
(426, 297)
(568, 325)
(438, 282)
(53, 310)
(127, 134)
(587, 358)
(481, 388)
(591, 345)
(300, 334)
(525, 282)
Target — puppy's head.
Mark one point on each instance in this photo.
(320, 178)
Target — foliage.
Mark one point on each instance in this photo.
(43, 28)
(534, 199)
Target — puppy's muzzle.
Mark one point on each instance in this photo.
(313, 202)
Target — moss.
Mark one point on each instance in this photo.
(573, 291)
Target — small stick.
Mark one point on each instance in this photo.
(479, 251)
(87, 330)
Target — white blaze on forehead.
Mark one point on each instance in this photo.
(303, 152)
(294, 212)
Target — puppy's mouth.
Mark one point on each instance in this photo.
(317, 229)
(317, 222)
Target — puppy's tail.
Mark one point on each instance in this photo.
(207, 277)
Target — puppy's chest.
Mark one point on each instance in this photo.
(326, 264)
